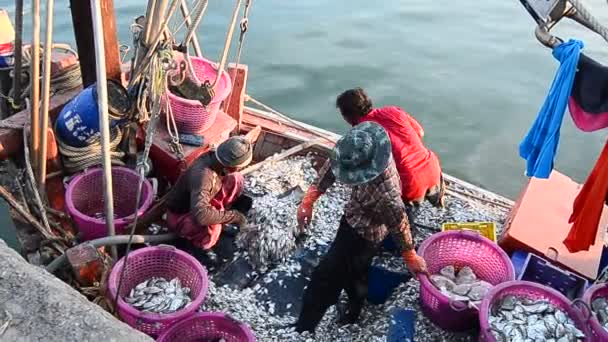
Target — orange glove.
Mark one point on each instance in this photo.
(304, 213)
(415, 263)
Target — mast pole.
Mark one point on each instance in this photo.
(18, 52)
(35, 84)
(46, 94)
(104, 125)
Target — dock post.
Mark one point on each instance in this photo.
(104, 124)
(83, 30)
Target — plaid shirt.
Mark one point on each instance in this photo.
(375, 209)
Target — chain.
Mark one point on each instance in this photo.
(244, 25)
(159, 66)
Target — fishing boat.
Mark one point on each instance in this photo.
(43, 164)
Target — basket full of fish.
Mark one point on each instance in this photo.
(208, 326)
(526, 311)
(463, 267)
(161, 285)
(596, 297)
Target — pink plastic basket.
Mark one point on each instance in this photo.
(84, 199)
(459, 248)
(529, 290)
(190, 115)
(207, 326)
(160, 261)
(595, 291)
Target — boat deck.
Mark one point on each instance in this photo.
(270, 302)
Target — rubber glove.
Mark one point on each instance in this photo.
(415, 263)
(304, 213)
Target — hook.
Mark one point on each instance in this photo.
(546, 38)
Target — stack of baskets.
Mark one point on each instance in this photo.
(185, 324)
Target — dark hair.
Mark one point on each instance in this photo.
(354, 103)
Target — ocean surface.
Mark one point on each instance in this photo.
(471, 72)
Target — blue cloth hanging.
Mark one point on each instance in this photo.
(540, 145)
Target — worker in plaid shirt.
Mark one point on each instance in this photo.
(362, 159)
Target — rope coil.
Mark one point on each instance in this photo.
(76, 159)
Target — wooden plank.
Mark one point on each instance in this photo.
(83, 30)
(235, 103)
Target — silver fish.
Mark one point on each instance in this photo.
(448, 272)
(442, 282)
(535, 321)
(463, 286)
(158, 295)
(465, 276)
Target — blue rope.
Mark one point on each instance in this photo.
(540, 145)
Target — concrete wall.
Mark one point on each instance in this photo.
(43, 308)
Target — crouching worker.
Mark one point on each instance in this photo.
(361, 159)
(197, 204)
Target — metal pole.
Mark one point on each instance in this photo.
(227, 43)
(157, 18)
(149, 14)
(186, 14)
(46, 93)
(18, 52)
(104, 125)
(35, 83)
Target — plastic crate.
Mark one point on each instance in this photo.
(382, 283)
(541, 271)
(518, 258)
(487, 229)
(402, 326)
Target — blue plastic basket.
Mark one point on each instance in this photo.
(382, 283)
(402, 327)
(541, 271)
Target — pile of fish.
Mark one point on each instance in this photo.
(158, 295)
(249, 306)
(272, 230)
(600, 307)
(278, 176)
(462, 286)
(271, 233)
(523, 319)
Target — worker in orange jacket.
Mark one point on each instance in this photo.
(418, 167)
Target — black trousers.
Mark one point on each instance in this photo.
(344, 267)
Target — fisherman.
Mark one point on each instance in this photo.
(418, 167)
(361, 159)
(197, 204)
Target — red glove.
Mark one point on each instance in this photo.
(304, 213)
(415, 263)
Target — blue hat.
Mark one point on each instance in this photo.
(362, 154)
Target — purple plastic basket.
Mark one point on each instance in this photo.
(161, 261)
(529, 290)
(595, 291)
(459, 248)
(207, 326)
(84, 199)
(190, 115)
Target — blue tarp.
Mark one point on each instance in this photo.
(540, 145)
